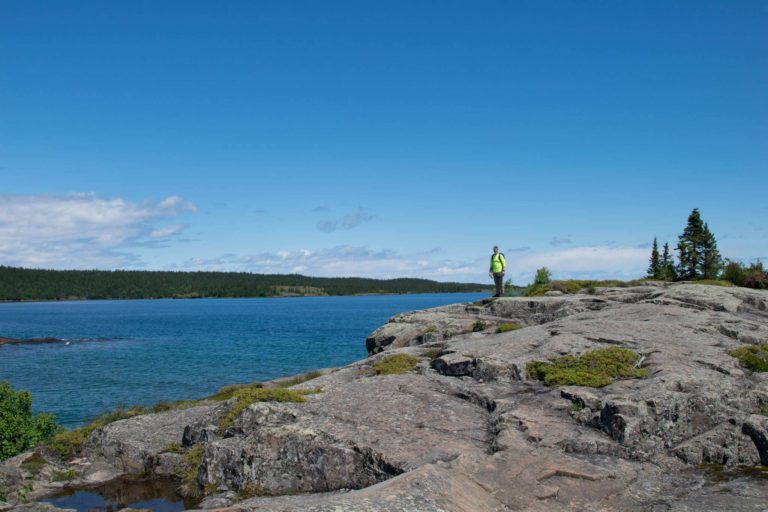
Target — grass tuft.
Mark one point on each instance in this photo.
(298, 379)
(508, 326)
(173, 448)
(479, 325)
(596, 368)
(752, 357)
(246, 396)
(69, 443)
(712, 282)
(251, 490)
(65, 476)
(193, 459)
(395, 364)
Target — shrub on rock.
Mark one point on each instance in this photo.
(19, 428)
(752, 357)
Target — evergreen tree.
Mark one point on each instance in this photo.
(654, 267)
(667, 264)
(711, 263)
(697, 250)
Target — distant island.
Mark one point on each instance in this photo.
(22, 284)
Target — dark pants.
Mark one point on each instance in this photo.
(498, 280)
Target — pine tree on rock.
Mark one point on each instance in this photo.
(712, 263)
(667, 264)
(697, 250)
(654, 266)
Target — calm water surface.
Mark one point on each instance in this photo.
(145, 351)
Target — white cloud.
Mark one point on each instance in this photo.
(352, 261)
(81, 230)
(166, 231)
(598, 262)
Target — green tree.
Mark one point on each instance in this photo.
(667, 264)
(19, 428)
(540, 284)
(711, 262)
(543, 277)
(697, 250)
(655, 269)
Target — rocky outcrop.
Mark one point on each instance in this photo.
(467, 430)
(17, 341)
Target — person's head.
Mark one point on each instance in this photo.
(495, 249)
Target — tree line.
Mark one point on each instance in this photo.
(37, 284)
(699, 259)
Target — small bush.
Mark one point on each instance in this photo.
(478, 326)
(507, 326)
(540, 284)
(396, 364)
(595, 369)
(19, 428)
(752, 357)
(753, 276)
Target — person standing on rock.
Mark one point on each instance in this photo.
(498, 266)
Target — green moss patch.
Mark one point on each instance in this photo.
(398, 363)
(247, 396)
(507, 326)
(596, 368)
(752, 357)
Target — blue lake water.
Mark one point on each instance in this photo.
(144, 351)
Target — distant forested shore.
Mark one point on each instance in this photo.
(22, 284)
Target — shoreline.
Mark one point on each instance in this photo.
(285, 296)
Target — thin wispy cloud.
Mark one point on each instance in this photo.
(82, 230)
(519, 249)
(556, 242)
(352, 220)
(327, 226)
(348, 221)
(167, 231)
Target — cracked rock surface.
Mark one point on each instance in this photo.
(466, 430)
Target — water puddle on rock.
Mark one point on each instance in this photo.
(719, 473)
(159, 495)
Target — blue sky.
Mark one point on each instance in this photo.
(381, 139)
